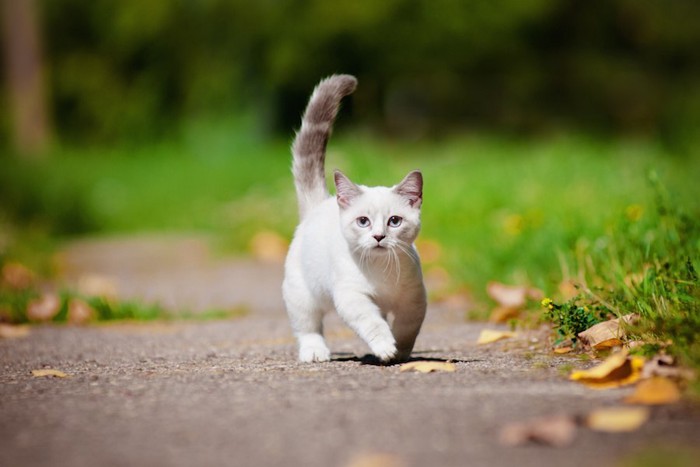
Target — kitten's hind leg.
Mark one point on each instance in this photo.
(405, 329)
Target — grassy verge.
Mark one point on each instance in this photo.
(646, 264)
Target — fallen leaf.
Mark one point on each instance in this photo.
(488, 336)
(512, 296)
(425, 366)
(655, 391)
(430, 251)
(44, 308)
(79, 311)
(664, 365)
(568, 289)
(17, 275)
(634, 279)
(617, 370)
(557, 431)
(501, 314)
(606, 334)
(457, 301)
(9, 331)
(96, 285)
(617, 419)
(563, 350)
(437, 278)
(377, 459)
(49, 372)
(507, 295)
(269, 247)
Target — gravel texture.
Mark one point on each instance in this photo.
(231, 393)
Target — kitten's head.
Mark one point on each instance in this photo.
(376, 220)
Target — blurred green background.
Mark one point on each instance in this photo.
(535, 122)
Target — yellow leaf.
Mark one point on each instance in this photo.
(269, 247)
(655, 391)
(8, 331)
(488, 336)
(425, 366)
(617, 419)
(563, 350)
(617, 370)
(49, 372)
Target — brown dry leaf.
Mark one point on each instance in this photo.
(430, 251)
(568, 289)
(9, 331)
(512, 296)
(17, 275)
(96, 285)
(664, 365)
(555, 431)
(488, 336)
(44, 308)
(507, 295)
(606, 334)
(457, 301)
(425, 366)
(502, 314)
(617, 419)
(269, 247)
(79, 311)
(437, 278)
(655, 391)
(634, 279)
(376, 459)
(49, 372)
(617, 370)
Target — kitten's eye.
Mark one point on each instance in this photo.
(394, 221)
(363, 222)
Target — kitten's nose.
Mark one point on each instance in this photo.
(379, 238)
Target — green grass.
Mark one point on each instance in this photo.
(528, 212)
(502, 209)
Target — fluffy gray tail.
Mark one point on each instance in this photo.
(309, 147)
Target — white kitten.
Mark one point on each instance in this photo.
(353, 252)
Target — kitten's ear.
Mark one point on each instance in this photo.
(345, 190)
(411, 188)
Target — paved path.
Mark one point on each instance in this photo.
(230, 393)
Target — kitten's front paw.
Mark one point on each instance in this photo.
(384, 351)
(312, 348)
(314, 353)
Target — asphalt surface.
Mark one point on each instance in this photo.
(230, 393)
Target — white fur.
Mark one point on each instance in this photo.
(334, 263)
